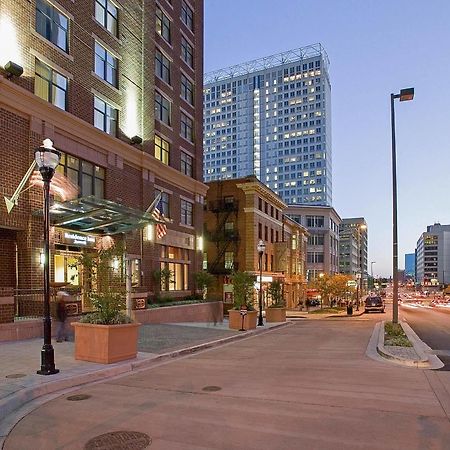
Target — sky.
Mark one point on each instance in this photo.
(375, 47)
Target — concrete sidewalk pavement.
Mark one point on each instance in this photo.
(19, 383)
(308, 385)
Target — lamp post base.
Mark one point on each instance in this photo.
(260, 321)
(47, 361)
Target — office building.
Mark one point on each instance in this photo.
(118, 89)
(433, 256)
(272, 118)
(410, 265)
(353, 248)
(322, 223)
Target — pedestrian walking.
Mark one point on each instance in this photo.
(61, 315)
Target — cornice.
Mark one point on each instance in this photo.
(26, 104)
(257, 187)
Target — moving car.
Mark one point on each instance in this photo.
(374, 303)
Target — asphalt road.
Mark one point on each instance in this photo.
(432, 325)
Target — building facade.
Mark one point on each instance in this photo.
(239, 213)
(433, 256)
(322, 223)
(272, 118)
(118, 88)
(353, 248)
(410, 265)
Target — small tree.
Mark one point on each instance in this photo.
(204, 280)
(163, 278)
(242, 290)
(324, 286)
(339, 285)
(275, 292)
(103, 285)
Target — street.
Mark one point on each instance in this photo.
(306, 386)
(432, 325)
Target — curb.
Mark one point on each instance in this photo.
(426, 361)
(18, 399)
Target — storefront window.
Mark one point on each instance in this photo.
(66, 270)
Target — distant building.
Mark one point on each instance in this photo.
(433, 256)
(410, 265)
(238, 213)
(353, 244)
(322, 223)
(272, 118)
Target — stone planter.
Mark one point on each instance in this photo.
(105, 344)
(276, 315)
(235, 319)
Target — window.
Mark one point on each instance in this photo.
(164, 203)
(186, 212)
(87, 176)
(162, 67)
(316, 239)
(162, 109)
(52, 24)
(105, 65)
(186, 164)
(105, 116)
(259, 231)
(187, 127)
(162, 149)
(106, 13)
(187, 52)
(187, 89)
(315, 221)
(176, 260)
(187, 15)
(50, 85)
(163, 25)
(229, 260)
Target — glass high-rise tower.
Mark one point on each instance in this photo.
(272, 118)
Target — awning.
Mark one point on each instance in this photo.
(99, 216)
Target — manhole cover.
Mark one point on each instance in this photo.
(15, 375)
(119, 440)
(212, 388)
(78, 397)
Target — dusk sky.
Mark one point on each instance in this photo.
(375, 47)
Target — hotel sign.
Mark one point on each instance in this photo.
(82, 240)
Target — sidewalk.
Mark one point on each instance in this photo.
(295, 314)
(19, 383)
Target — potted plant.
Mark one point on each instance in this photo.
(106, 335)
(243, 314)
(276, 312)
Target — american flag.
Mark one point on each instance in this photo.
(158, 215)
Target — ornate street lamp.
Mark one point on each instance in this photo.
(47, 159)
(261, 249)
(404, 96)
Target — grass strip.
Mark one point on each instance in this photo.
(395, 336)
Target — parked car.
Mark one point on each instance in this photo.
(374, 303)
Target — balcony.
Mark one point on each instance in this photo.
(220, 269)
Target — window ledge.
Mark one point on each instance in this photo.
(117, 91)
(52, 45)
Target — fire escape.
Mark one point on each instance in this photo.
(225, 239)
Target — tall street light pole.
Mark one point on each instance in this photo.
(371, 272)
(261, 249)
(404, 95)
(47, 159)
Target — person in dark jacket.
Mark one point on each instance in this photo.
(61, 315)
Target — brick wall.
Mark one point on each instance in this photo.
(127, 181)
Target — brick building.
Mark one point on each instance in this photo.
(118, 88)
(240, 212)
